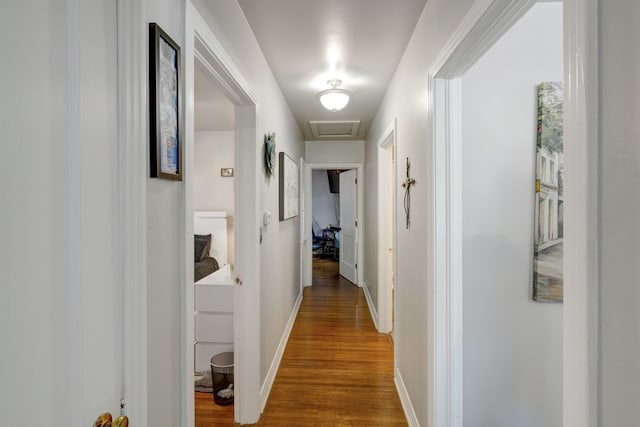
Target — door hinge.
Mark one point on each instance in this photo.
(123, 403)
(356, 181)
(356, 222)
(356, 266)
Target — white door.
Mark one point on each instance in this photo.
(61, 315)
(348, 224)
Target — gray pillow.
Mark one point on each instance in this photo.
(201, 246)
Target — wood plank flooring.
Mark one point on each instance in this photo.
(336, 370)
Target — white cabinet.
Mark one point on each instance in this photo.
(213, 306)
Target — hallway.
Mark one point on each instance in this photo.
(336, 370)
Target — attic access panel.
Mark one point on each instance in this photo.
(335, 129)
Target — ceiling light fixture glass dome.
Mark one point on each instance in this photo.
(334, 99)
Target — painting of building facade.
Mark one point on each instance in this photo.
(549, 197)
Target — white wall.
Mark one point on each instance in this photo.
(512, 359)
(620, 211)
(212, 192)
(324, 202)
(334, 152)
(280, 251)
(60, 297)
(406, 100)
(165, 201)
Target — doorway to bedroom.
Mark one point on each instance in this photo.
(213, 228)
(215, 324)
(332, 227)
(325, 219)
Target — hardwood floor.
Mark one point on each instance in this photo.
(208, 414)
(336, 370)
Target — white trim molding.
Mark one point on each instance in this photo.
(581, 365)
(202, 45)
(482, 26)
(387, 236)
(305, 280)
(446, 292)
(265, 390)
(360, 215)
(132, 154)
(188, 328)
(405, 400)
(372, 308)
(74, 176)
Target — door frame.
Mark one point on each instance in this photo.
(304, 238)
(202, 45)
(132, 194)
(485, 23)
(308, 218)
(581, 358)
(386, 197)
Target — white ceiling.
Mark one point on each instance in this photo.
(307, 42)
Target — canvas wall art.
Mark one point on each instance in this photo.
(549, 196)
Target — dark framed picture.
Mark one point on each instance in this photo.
(164, 106)
(288, 174)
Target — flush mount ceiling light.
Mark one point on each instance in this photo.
(334, 99)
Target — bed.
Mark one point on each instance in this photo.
(204, 264)
(210, 242)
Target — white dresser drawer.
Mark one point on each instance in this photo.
(218, 298)
(214, 327)
(213, 318)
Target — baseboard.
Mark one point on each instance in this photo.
(265, 390)
(372, 308)
(409, 412)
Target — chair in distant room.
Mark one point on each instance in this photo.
(318, 244)
(331, 236)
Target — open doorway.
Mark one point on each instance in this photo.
(213, 215)
(325, 215)
(202, 49)
(485, 121)
(325, 227)
(334, 224)
(333, 201)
